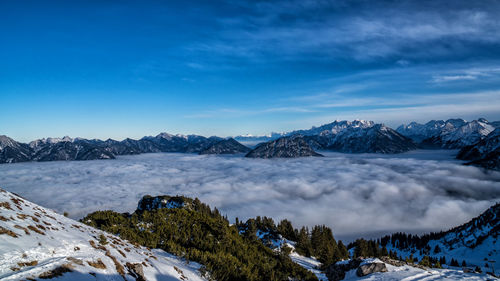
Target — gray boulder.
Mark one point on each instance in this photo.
(370, 268)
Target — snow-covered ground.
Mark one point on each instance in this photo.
(309, 263)
(416, 192)
(35, 241)
(409, 273)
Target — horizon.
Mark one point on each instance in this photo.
(227, 136)
(125, 69)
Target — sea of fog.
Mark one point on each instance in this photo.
(355, 194)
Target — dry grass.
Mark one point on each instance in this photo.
(22, 216)
(49, 216)
(75, 260)
(33, 228)
(121, 253)
(119, 266)
(16, 202)
(94, 245)
(23, 228)
(29, 263)
(4, 230)
(41, 227)
(56, 272)
(6, 205)
(97, 264)
(2, 218)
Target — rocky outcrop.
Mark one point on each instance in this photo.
(285, 147)
(227, 146)
(149, 203)
(136, 270)
(369, 268)
(337, 271)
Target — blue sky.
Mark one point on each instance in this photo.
(100, 69)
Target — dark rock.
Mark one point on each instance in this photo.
(337, 271)
(12, 151)
(374, 139)
(285, 147)
(136, 270)
(149, 203)
(76, 150)
(485, 153)
(227, 146)
(370, 268)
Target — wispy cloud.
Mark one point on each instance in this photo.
(361, 31)
(353, 194)
(467, 74)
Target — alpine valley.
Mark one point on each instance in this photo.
(174, 236)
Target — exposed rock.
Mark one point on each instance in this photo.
(286, 147)
(485, 153)
(370, 268)
(337, 271)
(377, 138)
(12, 151)
(135, 269)
(227, 146)
(450, 134)
(65, 150)
(149, 203)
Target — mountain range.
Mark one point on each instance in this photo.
(356, 136)
(485, 153)
(449, 134)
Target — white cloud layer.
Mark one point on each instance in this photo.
(354, 194)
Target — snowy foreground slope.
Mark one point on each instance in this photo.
(405, 272)
(410, 273)
(37, 243)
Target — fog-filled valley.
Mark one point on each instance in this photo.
(357, 195)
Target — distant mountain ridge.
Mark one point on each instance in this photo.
(285, 147)
(358, 136)
(449, 134)
(52, 149)
(485, 153)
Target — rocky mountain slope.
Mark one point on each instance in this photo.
(67, 148)
(370, 139)
(485, 153)
(475, 242)
(37, 243)
(356, 136)
(12, 151)
(226, 146)
(450, 134)
(70, 150)
(285, 147)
